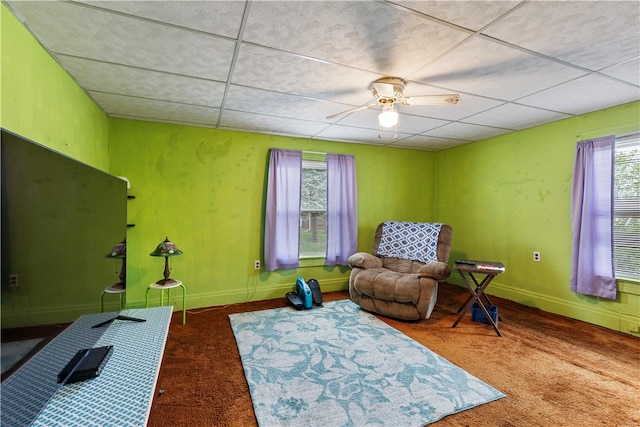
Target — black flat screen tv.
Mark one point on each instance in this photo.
(60, 219)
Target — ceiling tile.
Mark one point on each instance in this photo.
(473, 15)
(78, 30)
(430, 143)
(247, 99)
(362, 34)
(483, 67)
(269, 124)
(360, 135)
(514, 116)
(628, 71)
(282, 72)
(583, 95)
(591, 34)
(149, 109)
(215, 17)
(466, 132)
(124, 80)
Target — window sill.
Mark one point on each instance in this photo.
(628, 279)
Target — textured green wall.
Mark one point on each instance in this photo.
(41, 102)
(205, 190)
(509, 196)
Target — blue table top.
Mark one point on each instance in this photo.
(120, 396)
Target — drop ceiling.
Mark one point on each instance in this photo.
(282, 67)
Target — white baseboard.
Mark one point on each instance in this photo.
(258, 292)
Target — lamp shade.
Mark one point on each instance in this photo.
(119, 250)
(389, 116)
(166, 249)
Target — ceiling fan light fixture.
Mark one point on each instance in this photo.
(389, 116)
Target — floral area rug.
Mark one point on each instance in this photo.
(340, 366)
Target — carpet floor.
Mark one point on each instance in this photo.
(555, 371)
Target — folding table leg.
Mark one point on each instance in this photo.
(476, 295)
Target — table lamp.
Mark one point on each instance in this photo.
(166, 249)
(119, 251)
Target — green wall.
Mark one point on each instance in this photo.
(509, 196)
(205, 189)
(41, 102)
(505, 197)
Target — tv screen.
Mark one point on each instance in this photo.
(60, 218)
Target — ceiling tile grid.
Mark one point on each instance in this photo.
(283, 67)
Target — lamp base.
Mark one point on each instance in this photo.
(166, 282)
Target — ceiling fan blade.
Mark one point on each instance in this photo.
(362, 107)
(450, 99)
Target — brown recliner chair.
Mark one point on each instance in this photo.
(400, 280)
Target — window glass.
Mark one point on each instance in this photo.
(626, 222)
(313, 209)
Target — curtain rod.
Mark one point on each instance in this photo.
(312, 152)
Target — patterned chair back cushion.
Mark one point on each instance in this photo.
(417, 241)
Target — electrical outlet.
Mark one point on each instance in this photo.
(256, 264)
(14, 280)
(536, 256)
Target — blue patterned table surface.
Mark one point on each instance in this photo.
(120, 396)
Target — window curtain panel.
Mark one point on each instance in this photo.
(282, 216)
(592, 219)
(342, 212)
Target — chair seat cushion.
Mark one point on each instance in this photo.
(381, 283)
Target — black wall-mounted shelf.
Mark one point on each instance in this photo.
(129, 198)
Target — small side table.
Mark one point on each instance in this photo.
(490, 269)
(167, 288)
(118, 288)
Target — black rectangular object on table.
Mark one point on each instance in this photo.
(86, 364)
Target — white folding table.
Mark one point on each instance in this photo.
(120, 396)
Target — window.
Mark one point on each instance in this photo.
(313, 209)
(626, 207)
(328, 217)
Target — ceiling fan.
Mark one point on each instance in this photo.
(389, 91)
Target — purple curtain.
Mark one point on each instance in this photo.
(282, 216)
(592, 219)
(342, 212)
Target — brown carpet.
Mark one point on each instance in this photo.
(555, 371)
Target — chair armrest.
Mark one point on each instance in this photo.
(364, 260)
(436, 270)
